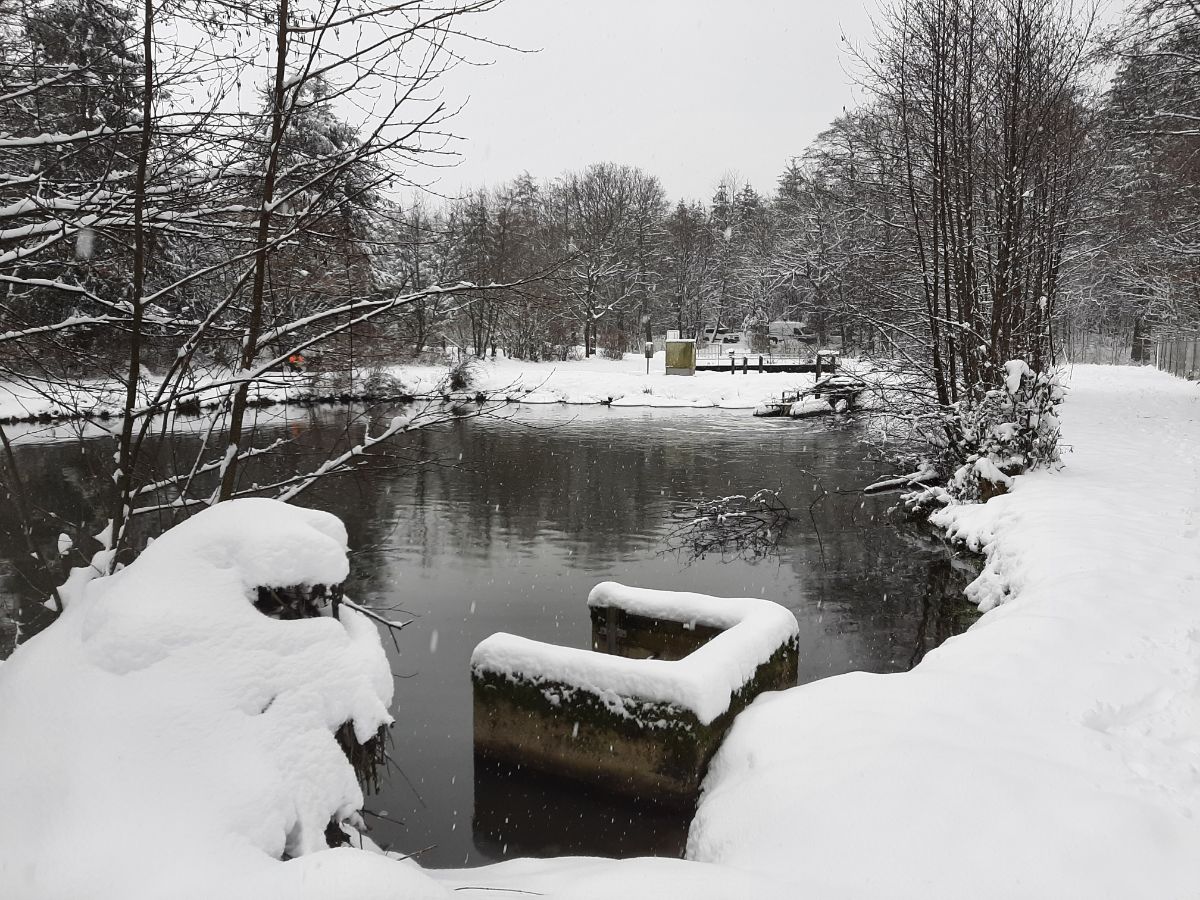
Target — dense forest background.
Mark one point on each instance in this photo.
(1008, 158)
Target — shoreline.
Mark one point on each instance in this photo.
(591, 382)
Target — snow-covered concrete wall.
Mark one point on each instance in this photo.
(636, 725)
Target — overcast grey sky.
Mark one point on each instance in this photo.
(685, 89)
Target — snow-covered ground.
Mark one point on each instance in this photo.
(1052, 751)
(594, 380)
(623, 382)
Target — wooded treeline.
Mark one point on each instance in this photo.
(1017, 182)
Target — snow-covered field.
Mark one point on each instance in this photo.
(595, 380)
(623, 382)
(1052, 751)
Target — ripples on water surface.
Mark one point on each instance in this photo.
(506, 524)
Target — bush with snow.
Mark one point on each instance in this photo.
(981, 446)
(461, 373)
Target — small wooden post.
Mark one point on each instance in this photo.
(732, 364)
(745, 365)
(760, 364)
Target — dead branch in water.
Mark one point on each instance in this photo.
(737, 526)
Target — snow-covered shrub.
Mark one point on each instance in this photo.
(981, 446)
(381, 383)
(615, 351)
(461, 373)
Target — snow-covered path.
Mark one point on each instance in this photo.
(1051, 751)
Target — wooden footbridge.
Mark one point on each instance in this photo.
(745, 363)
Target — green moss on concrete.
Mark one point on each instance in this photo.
(639, 748)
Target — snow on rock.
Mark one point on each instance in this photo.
(703, 682)
(165, 739)
(988, 471)
(1048, 752)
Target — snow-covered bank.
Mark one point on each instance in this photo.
(620, 382)
(1052, 750)
(165, 739)
(595, 380)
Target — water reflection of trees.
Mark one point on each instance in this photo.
(599, 489)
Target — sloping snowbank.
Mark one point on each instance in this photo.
(1051, 751)
(584, 878)
(165, 739)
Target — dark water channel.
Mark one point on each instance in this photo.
(505, 525)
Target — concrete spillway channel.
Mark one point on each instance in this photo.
(643, 712)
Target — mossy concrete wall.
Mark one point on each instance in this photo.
(638, 748)
(621, 633)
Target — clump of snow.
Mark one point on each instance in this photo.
(703, 682)
(164, 739)
(809, 406)
(1014, 371)
(988, 471)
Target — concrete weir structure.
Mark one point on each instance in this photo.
(643, 712)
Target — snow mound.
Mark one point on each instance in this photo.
(809, 406)
(165, 739)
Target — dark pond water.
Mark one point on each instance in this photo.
(505, 525)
